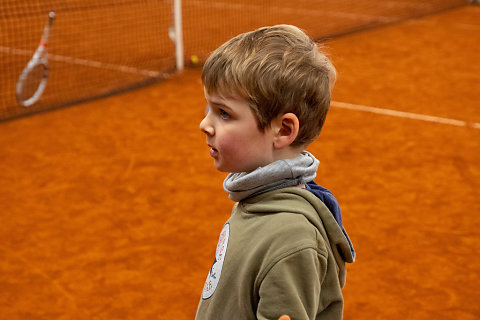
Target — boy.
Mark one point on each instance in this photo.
(283, 250)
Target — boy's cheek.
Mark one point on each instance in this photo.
(230, 157)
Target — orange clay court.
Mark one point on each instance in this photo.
(112, 209)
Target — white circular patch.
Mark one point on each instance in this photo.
(214, 275)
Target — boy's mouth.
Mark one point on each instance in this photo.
(213, 151)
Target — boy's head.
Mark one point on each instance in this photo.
(277, 70)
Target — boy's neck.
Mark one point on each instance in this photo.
(287, 153)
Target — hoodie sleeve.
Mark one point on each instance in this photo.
(296, 285)
(292, 286)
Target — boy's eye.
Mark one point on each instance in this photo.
(223, 114)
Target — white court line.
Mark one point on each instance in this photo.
(88, 63)
(287, 10)
(402, 114)
(321, 12)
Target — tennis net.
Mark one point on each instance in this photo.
(102, 47)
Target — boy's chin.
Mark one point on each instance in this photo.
(227, 169)
(220, 167)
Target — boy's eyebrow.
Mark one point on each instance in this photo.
(220, 105)
(217, 104)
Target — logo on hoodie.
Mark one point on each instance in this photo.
(215, 272)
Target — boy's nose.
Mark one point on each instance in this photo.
(206, 127)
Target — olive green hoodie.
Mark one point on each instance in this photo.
(281, 252)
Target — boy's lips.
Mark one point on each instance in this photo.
(213, 151)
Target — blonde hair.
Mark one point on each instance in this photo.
(277, 69)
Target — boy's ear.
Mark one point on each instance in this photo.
(286, 130)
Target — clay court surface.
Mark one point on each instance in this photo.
(112, 209)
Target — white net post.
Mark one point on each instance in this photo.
(178, 34)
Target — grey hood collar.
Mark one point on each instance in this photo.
(276, 175)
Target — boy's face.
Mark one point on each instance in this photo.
(236, 143)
